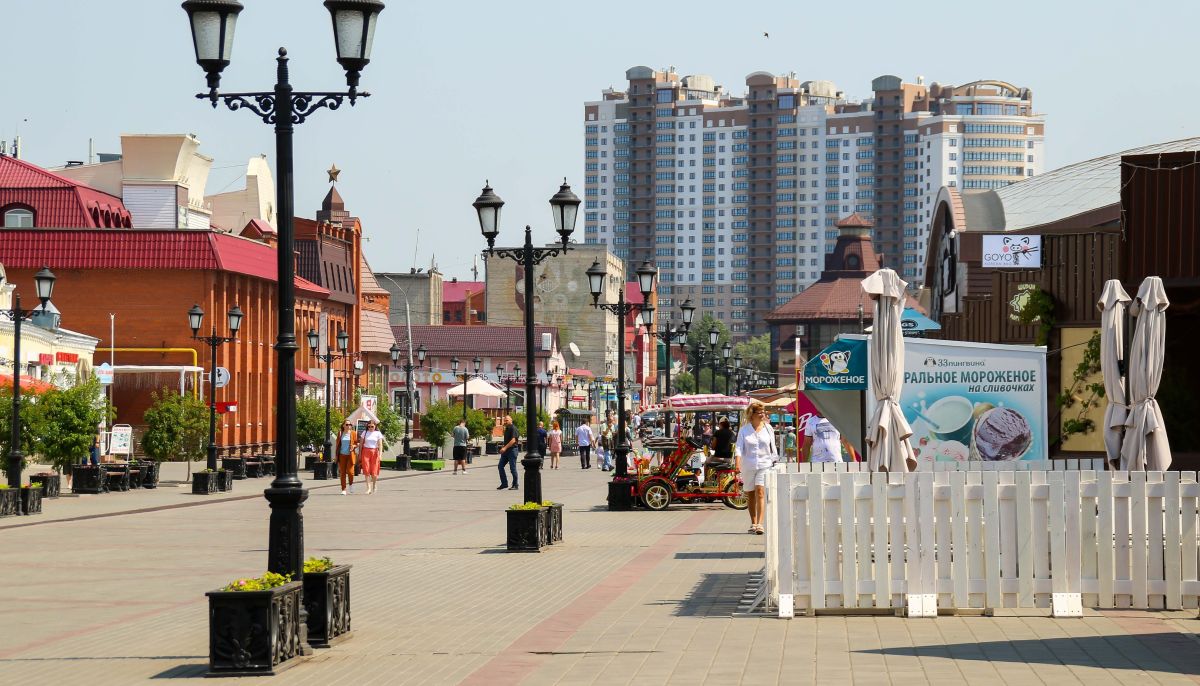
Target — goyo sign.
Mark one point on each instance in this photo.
(1011, 251)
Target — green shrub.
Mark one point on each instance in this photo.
(176, 427)
(263, 583)
(62, 423)
(310, 422)
(317, 564)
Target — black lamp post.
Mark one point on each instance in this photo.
(646, 275)
(408, 368)
(726, 351)
(737, 373)
(212, 24)
(670, 334)
(714, 335)
(44, 282)
(509, 378)
(565, 207)
(343, 342)
(466, 376)
(196, 320)
(699, 363)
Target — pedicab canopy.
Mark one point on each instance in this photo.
(704, 402)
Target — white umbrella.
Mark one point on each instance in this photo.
(477, 386)
(1145, 446)
(888, 432)
(1112, 304)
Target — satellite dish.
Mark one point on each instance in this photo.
(573, 348)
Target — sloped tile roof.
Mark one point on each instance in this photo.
(369, 285)
(375, 333)
(474, 340)
(56, 200)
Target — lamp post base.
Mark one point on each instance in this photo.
(620, 495)
(533, 477)
(286, 541)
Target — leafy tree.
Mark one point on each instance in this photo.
(683, 382)
(62, 423)
(27, 410)
(755, 352)
(437, 421)
(479, 424)
(310, 422)
(176, 427)
(520, 420)
(391, 424)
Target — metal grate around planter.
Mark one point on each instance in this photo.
(526, 530)
(235, 465)
(51, 483)
(554, 521)
(327, 599)
(31, 500)
(88, 478)
(253, 633)
(10, 502)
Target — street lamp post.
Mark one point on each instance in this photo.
(597, 275)
(737, 373)
(668, 335)
(466, 376)
(44, 282)
(699, 363)
(714, 335)
(343, 342)
(509, 378)
(565, 206)
(196, 320)
(408, 367)
(726, 350)
(212, 26)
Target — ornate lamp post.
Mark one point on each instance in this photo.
(714, 335)
(466, 376)
(212, 24)
(565, 207)
(44, 282)
(343, 342)
(408, 367)
(646, 275)
(726, 350)
(700, 349)
(737, 374)
(196, 320)
(670, 334)
(509, 378)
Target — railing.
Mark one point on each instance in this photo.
(1073, 464)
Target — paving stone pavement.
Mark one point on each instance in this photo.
(110, 590)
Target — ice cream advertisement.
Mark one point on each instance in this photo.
(969, 401)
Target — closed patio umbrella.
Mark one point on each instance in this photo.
(1112, 304)
(1145, 447)
(888, 432)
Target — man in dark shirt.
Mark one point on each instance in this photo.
(508, 454)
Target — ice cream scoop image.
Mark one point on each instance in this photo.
(1002, 434)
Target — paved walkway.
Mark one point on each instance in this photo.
(110, 590)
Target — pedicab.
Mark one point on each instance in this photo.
(684, 473)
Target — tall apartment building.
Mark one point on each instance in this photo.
(735, 198)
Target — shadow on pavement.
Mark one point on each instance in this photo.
(722, 555)
(183, 672)
(1162, 652)
(715, 595)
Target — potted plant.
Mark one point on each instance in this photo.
(254, 626)
(150, 469)
(204, 482)
(526, 528)
(31, 498)
(224, 480)
(10, 501)
(51, 483)
(327, 599)
(553, 522)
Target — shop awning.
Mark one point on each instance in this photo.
(309, 379)
(27, 383)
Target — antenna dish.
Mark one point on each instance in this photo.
(573, 348)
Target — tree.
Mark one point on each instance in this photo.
(310, 422)
(176, 427)
(683, 382)
(755, 352)
(437, 421)
(479, 424)
(63, 423)
(520, 420)
(391, 424)
(26, 411)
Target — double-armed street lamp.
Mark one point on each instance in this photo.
(212, 26)
(195, 321)
(714, 336)
(565, 207)
(509, 378)
(408, 368)
(44, 283)
(466, 376)
(343, 344)
(597, 275)
(669, 334)
(726, 351)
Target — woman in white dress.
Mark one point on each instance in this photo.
(756, 453)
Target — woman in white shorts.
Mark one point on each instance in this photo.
(757, 453)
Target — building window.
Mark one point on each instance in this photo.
(18, 218)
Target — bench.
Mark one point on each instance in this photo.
(254, 468)
(268, 464)
(235, 466)
(116, 477)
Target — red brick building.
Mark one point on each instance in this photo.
(464, 303)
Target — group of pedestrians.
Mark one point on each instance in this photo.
(602, 441)
(361, 452)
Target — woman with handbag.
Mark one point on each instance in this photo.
(345, 446)
(368, 455)
(757, 453)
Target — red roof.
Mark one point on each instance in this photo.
(309, 379)
(633, 293)
(581, 372)
(456, 291)
(57, 201)
(474, 340)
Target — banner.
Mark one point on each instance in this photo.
(974, 401)
(841, 366)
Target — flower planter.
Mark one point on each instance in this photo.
(526, 530)
(553, 523)
(224, 480)
(620, 495)
(149, 473)
(10, 502)
(253, 633)
(327, 599)
(403, 463)
(235, 465)
(204, 483)
(51, 483)
(31, 500)
(88, 478)
(324, 470)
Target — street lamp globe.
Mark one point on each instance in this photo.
(314, 340)
(343, 340)
(195, 319)
(565, 205)
(596, 275)
(212, 23)
(454, 365)
(689, 310)
(477, 362)
(421, 355)
(737, 360)
(516, 371)
(353, 34)
(43, 281)
(714, 334)
(394, 351)
(488, 206)
(646, 274)
(235, 320)
(726, 350)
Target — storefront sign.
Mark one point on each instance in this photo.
(1009, 251)
(970, 401)
(370, 403)
(45, 359)
(841, 366)
(66, 358)
(121, 440)
(104, 374)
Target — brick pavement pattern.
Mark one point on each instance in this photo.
(110, 589)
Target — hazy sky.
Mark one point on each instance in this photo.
(465, 91)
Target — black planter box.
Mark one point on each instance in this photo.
(235, 465)
(253, 633)
(31, 501)
(620, 496)
(116, 476)
(310, 459)
(267, 463)
(88, 478)
(403, 463)
(204, 483)
(51, 483)
(10, 502)
(224, 480)
(493, 448)
(149, 473)
(324, 470)
(553, 523)
(327, 599)
(526, 530)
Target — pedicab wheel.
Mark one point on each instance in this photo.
(657, 496)
(739, 501)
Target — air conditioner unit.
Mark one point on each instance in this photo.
(547, 341)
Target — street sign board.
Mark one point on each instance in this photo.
(104, 373)
(370, 403)
(222, 377)
(121, 440)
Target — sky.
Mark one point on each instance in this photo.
(469, 91)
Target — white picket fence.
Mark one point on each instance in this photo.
(982, 540)
(1073, 464)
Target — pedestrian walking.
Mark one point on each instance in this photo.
(757, 452)
(554, 443)
(583, 436)
(462, 436)
(823, 442)
(97, 441)
(368, 456)
(789, 444)
(606, 443)
(508, 455)
(346, 444)
(542, 435)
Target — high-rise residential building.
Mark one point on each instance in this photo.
(736, 198)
